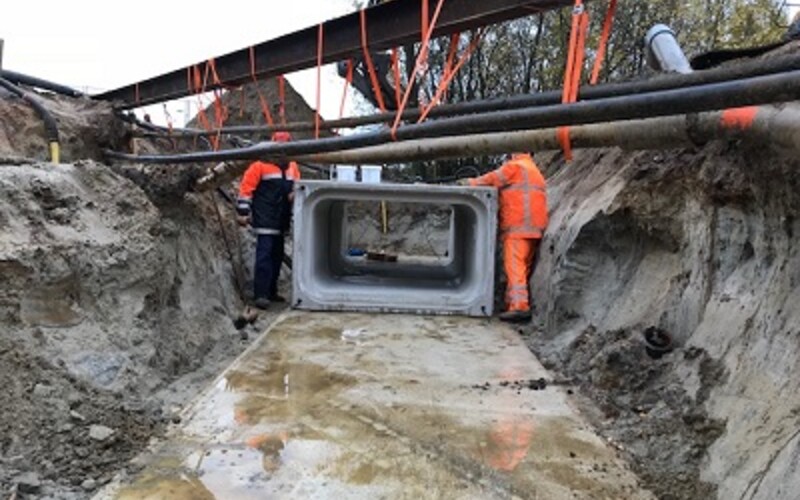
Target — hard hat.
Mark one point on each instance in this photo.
(281, 136)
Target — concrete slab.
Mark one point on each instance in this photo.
(358, 406)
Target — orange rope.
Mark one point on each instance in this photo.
(424, 13)
(572, 75)
(376, 88)
(347, 82)
(261, 100)
(220, 109)
(396, 75)
(451, 55)
(320, 35)
(199, 88)
(422, 57)
(282, 98)
(603, 45)
(448, 78)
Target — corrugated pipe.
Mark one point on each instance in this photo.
(672, 81)
(39, 83)
(751, 91)
(50, 126)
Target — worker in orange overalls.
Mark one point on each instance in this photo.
(523, 219)
(265, 201)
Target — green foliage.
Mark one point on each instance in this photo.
(529, 54)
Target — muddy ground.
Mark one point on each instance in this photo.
(703, 245)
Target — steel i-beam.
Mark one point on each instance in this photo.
(389, 24)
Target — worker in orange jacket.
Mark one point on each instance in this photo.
(523, 220)
(265, 201)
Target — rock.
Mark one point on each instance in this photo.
(74, 399)
(89, 484)
(42, 390)
(77, 416)
(100, 432)
(29, 483)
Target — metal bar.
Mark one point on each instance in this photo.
(389, 24)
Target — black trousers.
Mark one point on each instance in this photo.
(269, 257)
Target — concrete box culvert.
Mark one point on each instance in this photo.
(329, 276)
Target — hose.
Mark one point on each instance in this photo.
(32, 81)
(50, 126)
(746, 92)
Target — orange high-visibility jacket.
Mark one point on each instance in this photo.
(264, 194)
(523, 197)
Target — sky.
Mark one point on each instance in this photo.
(93, 47)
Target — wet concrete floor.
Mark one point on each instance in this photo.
(381, 406)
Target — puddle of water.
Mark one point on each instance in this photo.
(167, 488)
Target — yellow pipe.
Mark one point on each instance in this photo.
(55, 152)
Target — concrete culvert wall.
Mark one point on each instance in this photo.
(702, 245)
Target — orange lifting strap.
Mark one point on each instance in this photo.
(572, 75)
(449, 74)
(373, 75)
(422, 59)
(347, 82)
(603, 45)
(282, 98)
(262, 101)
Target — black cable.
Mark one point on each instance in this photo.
(745, 92)
(50, 126)
(32, 81)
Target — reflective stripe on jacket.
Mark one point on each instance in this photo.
(523, 197)
(264, 194)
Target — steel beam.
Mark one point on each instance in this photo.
(389, 24)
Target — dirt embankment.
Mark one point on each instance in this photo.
(703, 245)
(116, 299)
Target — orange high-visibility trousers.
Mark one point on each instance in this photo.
(518, 256)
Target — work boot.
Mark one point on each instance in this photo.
(516, 316)
(261, 303)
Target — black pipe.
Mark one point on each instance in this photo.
(50, 126)
(746, 69)
(39, 83)
(746, 92)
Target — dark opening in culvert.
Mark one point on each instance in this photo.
(657, 342)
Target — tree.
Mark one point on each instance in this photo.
(529, 54)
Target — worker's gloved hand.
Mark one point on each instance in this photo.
(243, 220)
(462, 182)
